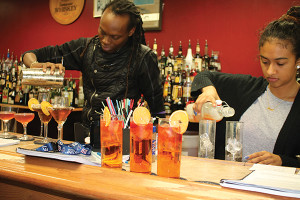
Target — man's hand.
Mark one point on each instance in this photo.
(265, 157)
(30, 60)
(209, 93)
(52, 67)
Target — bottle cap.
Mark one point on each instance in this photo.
(228, 112)
(219, 102)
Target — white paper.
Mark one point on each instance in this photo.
(270, 182)
(289, 170)
(8, 142)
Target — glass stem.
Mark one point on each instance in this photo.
(5, 128)
(41, 133)
(25, 128)
(45, 130)
(60, 131)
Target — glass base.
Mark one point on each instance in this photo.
(43, 141)
(7, 136)
(26, 138)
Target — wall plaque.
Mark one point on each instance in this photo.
(66, 11)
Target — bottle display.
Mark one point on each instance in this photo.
(178, 71)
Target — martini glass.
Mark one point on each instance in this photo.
(60, 112)
(5, 116)
(24, 119)
(45, 119)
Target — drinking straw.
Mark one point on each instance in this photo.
(118, 107)
(109, 106)
(129, 115)
(112, 105)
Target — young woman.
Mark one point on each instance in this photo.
(269, 106)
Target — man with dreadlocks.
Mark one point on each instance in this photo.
(115, 63)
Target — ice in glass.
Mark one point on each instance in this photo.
(169, 149)
(141, 147)
(111, 134)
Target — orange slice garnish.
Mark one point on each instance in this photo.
(141, 116)
(106, 116)
(179, 118)
(32, 101)
(44, 106)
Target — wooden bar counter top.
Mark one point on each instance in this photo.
(26, 177)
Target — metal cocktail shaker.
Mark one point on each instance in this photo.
(36, 77)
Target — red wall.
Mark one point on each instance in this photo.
(231, 27)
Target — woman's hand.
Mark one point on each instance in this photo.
(209, 93)
(265, 157)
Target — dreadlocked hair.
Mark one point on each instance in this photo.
(125, 7)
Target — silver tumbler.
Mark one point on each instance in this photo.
(36, 77)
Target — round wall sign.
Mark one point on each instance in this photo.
(66, 11)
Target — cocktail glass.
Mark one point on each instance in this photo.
(60, 112)
(24, 119)
(169, 149)
(43, 96)
(111, 142)
(45, 120)
(5, 116)
(234, 141)
(141, 147)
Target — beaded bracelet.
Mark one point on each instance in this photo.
(33, 63)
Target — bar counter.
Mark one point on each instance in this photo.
(26, 177)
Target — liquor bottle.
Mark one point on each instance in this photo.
(75, 95)
(216, 113)
(162, 63)
(70, 93)
(189, 57)
(65, 94)
(179, 58)
(12, 96)
(31, 92)
(25, 95)
(155, 46)
(217, 61)
(167, 85)
(80, 93)
(178, 102)
(170, 61)
(198, 58)
(7, 62)
(19, 96)
(205, 63)
(187, 87)
(212, 66)
(168, 101)
(5, 94)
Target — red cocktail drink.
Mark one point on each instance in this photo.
(111, 142)
(24, 119)
(141, 147)
(5, 116)
(169, 149)
(44, 118)
(60, 115)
